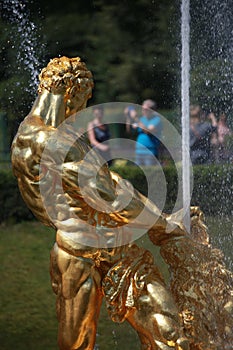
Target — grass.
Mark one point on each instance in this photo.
(27, 316)
(27, 303)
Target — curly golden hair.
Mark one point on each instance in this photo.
(66, 75)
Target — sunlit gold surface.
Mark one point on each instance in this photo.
(181, 317)
(201, 286)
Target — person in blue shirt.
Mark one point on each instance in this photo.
(149, 130)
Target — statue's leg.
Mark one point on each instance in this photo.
(76, 282)
(155, 318)
(136, 291)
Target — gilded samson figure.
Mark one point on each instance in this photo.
(48, 159)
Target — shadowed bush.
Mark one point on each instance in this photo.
(11, 202)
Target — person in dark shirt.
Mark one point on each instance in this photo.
(99, 134)
(202, 129)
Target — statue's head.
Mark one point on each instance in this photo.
(69, 77)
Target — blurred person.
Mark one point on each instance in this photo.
(202, 129)
(149, 129)
(99, 134)
(194, 111)
(131, 117)
(223, 131)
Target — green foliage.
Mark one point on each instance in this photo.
(130, 48)
(213, 186)
(211, 85)
(11, 202)
(211, 55)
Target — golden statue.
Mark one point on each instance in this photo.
(194, 312)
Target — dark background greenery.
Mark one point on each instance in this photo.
(132, 47)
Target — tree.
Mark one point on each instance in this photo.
(212, 55)
(212, 87)
(131, 49)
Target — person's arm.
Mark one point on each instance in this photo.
(127, 119)
(145, 129)
(153, 127)
(213, 120)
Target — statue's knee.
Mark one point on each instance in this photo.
(77, 275)
(65, 342)
(157, 306)
(69, 273)
(55, 273)
(167, 328)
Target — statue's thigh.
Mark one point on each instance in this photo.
(77, 284)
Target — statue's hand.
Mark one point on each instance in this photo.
(198, 228)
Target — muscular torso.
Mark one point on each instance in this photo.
(47, 163)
